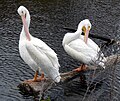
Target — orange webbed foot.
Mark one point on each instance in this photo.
(36, 78)
(41, 78)
(81, 68)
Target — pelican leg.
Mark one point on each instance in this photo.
(81, 68)
(34, 79)
(37, 79)
(41, 77)
(35, 76)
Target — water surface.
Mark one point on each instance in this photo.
(48, 17)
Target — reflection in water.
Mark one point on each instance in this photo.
(47, 21)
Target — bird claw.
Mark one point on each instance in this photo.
(81, 68)
(77, 69)
(39, 79)
(36, 78)
(29, 81)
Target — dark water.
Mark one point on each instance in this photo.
(48, 17)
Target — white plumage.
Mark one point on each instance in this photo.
(37, 54)
(81, 47)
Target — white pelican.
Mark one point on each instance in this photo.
(37, 54)
(81, 47)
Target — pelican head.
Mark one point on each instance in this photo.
(24, 13)
(85, 26)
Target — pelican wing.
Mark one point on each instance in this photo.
(80, 46)
(44, 52)
(91, 43)
(80, 51)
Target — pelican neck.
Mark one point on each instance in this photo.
(25, 35)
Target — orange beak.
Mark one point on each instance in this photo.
(86, 35)
(25, 27)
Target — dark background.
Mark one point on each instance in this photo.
(48, 18)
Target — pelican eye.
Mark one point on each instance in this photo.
(89, 27)
(83, 28)
(22, 12)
